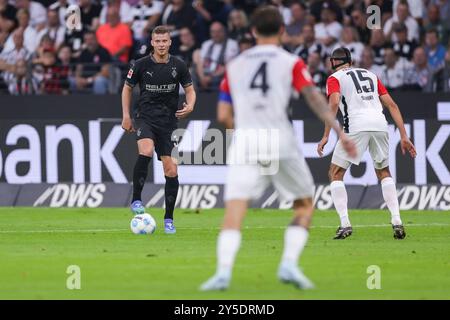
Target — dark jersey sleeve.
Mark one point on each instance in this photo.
(185, 76)
(133, 75)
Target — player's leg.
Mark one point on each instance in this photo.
(243, 183)
(140, 171)
(379, 151)
(228, 244)
(340, 199)
(294, 181)
(170, 191)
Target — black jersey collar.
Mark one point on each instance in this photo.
(153, 59)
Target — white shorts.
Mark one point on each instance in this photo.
(376, 141)
(292, 180)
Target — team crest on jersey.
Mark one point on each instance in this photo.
(130, 74)
(174, 72)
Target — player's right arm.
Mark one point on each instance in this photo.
(127, 91)
(225, 105)
(302, 82)
(334, 97)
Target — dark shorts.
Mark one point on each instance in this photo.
(163, 138)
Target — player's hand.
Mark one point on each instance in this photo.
(407, 145)
(348, 145)
(320, 146)
(127, 124)
(183, 113)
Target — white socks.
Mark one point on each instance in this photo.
(228, 245)
(390, 197)
(295, 238)
(339, 196)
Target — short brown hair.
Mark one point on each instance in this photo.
(161, 30)
(267, 21)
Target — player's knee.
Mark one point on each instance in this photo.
(170, 169)
(383, 173)
(148, 152)
(335, 173)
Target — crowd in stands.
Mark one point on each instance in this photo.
(40, 54)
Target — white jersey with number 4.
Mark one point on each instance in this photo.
(360, 104)
(259, 84)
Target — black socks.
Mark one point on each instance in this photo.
(140, 175)
(171, 191)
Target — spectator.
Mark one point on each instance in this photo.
(367, 61)
(123, 8)
(21, 82)
(418, 77)
(248, 5)
(444, 10)
(37, 13)
(245, 43)
(207, 12)
(90, 14)
(291, 38)
(53, 29)
(46, 43)
(285, 12)
(60, 7)
(316, 8)
(187, 46)
(176, 15)
(54, 78)
(309, 45)
(5, 30)
(317, 71)
(238, 25)
(146, 15)
(378, 44)
(329, 30)
(8, 58)
(350, 40)
(115, 36)
(8, 17)
(23, 17)
(92, 71)
(393, 74)
(214, 54)
(359, 22)
(404, 17)
(416, 7)
(434, 50)
(403, 47)
(433, 21)
(65, 56)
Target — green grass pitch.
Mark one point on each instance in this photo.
(38, 244)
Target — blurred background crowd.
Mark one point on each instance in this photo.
(40, 55)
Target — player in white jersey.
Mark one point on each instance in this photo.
(254, 98)
(360, 96)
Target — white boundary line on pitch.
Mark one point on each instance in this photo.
(217, 228)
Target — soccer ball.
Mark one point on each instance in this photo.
(143, 224)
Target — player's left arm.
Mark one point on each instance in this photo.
(191, 96)
(188, 105)
(405, 142)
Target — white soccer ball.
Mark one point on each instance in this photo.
(143, 224)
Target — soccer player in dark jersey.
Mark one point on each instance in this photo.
(159, 76)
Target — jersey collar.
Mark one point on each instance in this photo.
(153, 59)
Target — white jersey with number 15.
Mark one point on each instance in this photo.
(360, 104)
